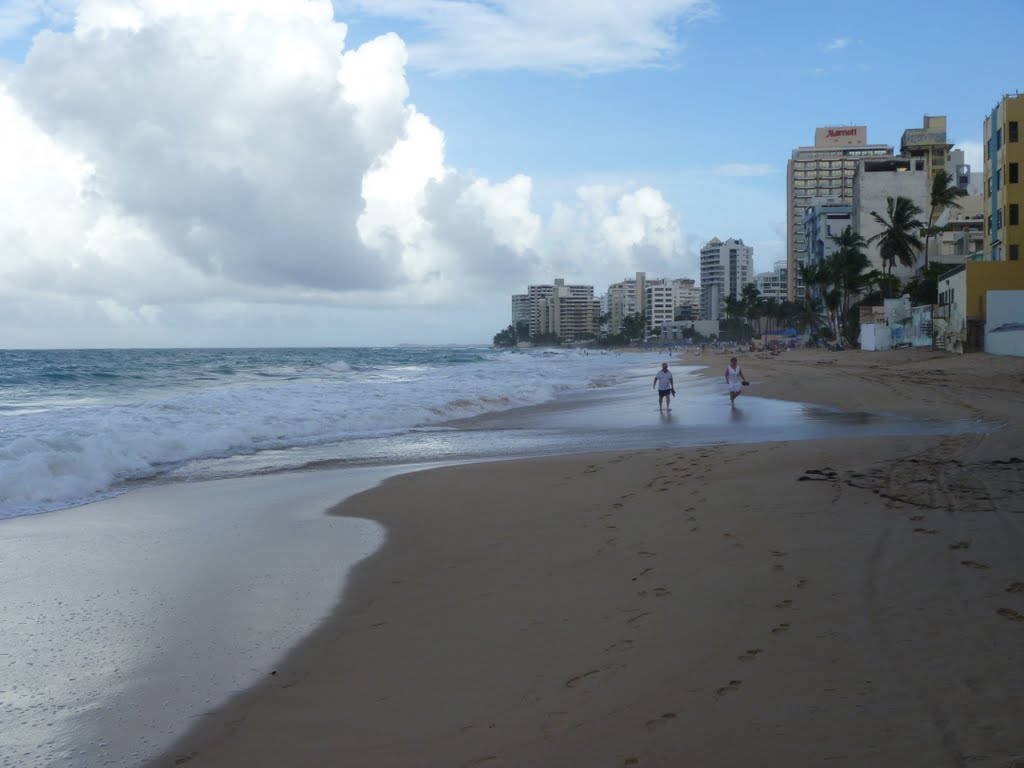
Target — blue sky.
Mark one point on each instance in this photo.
(506, 143)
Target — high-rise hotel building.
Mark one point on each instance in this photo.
(1003, 189)
(823, 170)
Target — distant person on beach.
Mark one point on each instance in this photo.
(735, 380)
(665, 386)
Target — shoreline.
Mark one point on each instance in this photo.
(542, 611)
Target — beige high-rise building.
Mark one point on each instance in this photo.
(626, 298)
(570, 312)
(665, 298)
(823, 170)
(538, 296)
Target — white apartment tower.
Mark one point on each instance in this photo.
(520, 309)
(725, 267)
(823, 170)
(773, 285)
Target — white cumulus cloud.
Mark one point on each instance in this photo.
(169, 158)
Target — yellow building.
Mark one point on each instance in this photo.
(1003, 187)
(959, 318)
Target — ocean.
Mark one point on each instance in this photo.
(78, 426)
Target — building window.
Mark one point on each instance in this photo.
(999, 139)
(1013, 174)
(1014, 252)
(1013, 132)
(999, 219)
(1014, 214)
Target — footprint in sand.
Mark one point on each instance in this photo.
(572, 682)
(778, 553)
(960, 545)
(778, 567)
(784, 604)
(623, 646)
(974, 564)
(925, 530)
(631, 761)
(661, 592)
(1009, 613)
(658, 722)
(750, 655)
(802, 584)
(1016, 588)
(644, 572)
(778, 630)
(916, 518)
(734, 685)
(634, 620)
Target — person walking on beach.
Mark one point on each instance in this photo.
(665, 386)
(735, 380)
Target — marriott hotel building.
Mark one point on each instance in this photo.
(824, 170)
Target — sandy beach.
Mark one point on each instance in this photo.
(795, 603)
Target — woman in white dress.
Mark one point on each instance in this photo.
(735, 380)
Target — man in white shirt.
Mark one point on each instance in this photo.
(665, 386)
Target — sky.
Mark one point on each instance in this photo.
(188, 173)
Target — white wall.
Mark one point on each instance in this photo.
(871, 192)
(1004, 323)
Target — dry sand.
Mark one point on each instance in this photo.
(851, 602)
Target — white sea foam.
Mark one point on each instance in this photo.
(61, 456)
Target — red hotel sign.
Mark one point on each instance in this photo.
(841, 136)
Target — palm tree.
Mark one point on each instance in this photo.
(771, 311)
(847, 267)
(752, 305)
(807, 313)
(897, 241)
(943, 196)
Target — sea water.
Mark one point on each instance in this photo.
(81, 425)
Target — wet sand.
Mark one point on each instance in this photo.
(124, 619)
(852, 601)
